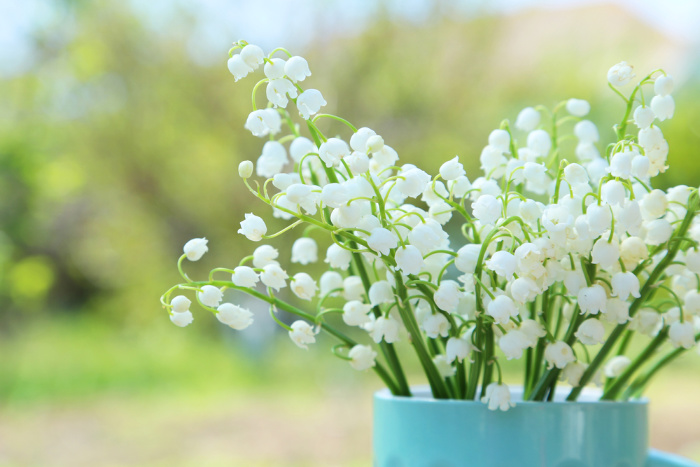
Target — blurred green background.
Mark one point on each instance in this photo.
(120, 135)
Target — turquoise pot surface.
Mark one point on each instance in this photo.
(420, 431)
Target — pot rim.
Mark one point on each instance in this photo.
(588, 397)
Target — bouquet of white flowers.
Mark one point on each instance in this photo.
(558, 264)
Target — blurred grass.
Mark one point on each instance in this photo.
(81, 393)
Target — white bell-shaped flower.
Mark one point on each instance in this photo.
(264, 122)
(274, 276)
(539, 142)
(586, 131)
(238, 67)
(302, 333)
(663, 107)
(527, 119)
(409, 259)
(278, 91)
(264, 255)
(244, 276)
(604, 253)
(381, 292)
(210, 296)
(663, 85)
(330, 281)
(452, 169)
(643, 117)
(234, 316)
(353, 288)
(613, 192)
(447, 296)
(487, 209)
(358, 140)
(573, 372)
(497, 397)
(501, 309)
(459, 348)
(304, 251)
(356, 313)
(427, 236)
(272, 160)
(274, 68)
(592, 299)
(385, 328)
(513, 343)
(467, 258)
(332, 151)
(659, 231)
(300, 147)
(338, 257)
(503, 263)
(533, 331)
(309, 103)
(413, 182)
(362, 357)
(591, 332)
(436, 325)
(252, 55)
(616, 366)
(253, 227)
(303, 286)
(358, 162)
(620, 74)
(524, 289)
(616, 311)
(194, 249)
(297, 69)
(382, 240)
(625, 284)
(181, 319)
(559, 354)
(682, 334)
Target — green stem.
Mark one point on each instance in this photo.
(387, 349)
(612, 392)
(378, 368)
(437, 383)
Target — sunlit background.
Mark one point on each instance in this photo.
(121, 130)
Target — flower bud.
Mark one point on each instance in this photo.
(195, 248)
(245, 169)
(578, 107)
(663, 85)
(528, 119)
(180, 304)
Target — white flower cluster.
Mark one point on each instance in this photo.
(555, 259)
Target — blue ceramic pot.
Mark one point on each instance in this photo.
(420, 431)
